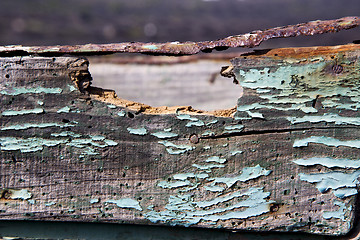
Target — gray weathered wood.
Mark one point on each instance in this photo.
(71, 152)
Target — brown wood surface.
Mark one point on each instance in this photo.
(71, 152)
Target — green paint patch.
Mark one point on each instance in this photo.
(340, 213)
(247, 174)
(234, 128)
(172, 148)
(216, 159)
(233, 153)
(94, 200)
(27, 145)
(176, 184)
(35, 125)
(187, 117)
(18, 91)
(22, 194)
(328, 162)
(343, 184)
(208, 166)
(327, 117)
(22, 112)
(137, 131)
(329, 141)
(198, 123)
(184, 176)
(126, 203)
(72, 88)
(50, 204)
(122, 113)
(64, 110)
(150, 47)
(164, 134)
(183, 210)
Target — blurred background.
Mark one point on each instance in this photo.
(48, 22)
(52, 22)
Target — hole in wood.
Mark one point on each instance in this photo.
(168, 81)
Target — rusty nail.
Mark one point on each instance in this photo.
(194, 138)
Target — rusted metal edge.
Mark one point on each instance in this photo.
(251, 39)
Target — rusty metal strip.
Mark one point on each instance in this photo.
(188, 48)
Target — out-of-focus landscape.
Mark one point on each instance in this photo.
(52, 22)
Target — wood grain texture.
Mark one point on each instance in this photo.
(287, 160)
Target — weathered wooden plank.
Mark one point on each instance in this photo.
(286, 159)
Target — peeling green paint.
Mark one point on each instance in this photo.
(172, 148)
(66, 134)
(34, 125)
(176, 184)
(328, 162)
(327, 117)
(208, 166)
(97, 138)
(255, 114)
(64, 110)
(126, 203)
(110, 142)
(329, 141)
(137, 131)
(211, 122)
(187, 117)
(197, 123)
(151, 47)
(22, 112)
(182, 210)
(208, 133)
(247, 174)
(122, 113)
(213, 188)
(94, 200)
(72, 88)
(233, 153)
(216, 159)
(50, 204)
(164, 134)
(22, 194)
(294, 86)
(184, 176)
(308, 109)
(234, 128)
(340, 213)
(27, 145)
(37, 144)
(343, 184)
(18, 91)
(41, 103)
(111, 106)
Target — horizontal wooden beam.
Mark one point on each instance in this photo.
(285, 159)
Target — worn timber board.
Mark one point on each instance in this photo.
(285, 159)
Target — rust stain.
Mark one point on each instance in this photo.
(251, 39)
